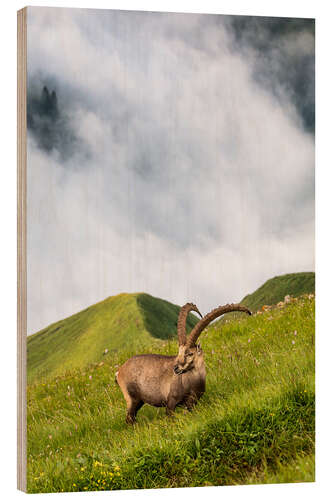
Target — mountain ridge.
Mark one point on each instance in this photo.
(132, 320)
(275, 289)
(117, 322)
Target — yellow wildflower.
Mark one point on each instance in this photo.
(98, 464)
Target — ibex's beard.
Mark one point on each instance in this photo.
(179, 371)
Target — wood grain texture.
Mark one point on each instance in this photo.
(21, 246)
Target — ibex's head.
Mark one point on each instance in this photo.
(187, 359)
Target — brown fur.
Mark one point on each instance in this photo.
(151, 379)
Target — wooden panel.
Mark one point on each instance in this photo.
(21, 246)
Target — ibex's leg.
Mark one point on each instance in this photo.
(190, 402)
(132, 409)
(132, 402)
(170, 406)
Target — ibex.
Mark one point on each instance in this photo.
(170, 381)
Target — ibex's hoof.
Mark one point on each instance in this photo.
(130, 420)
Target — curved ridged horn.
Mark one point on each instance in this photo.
(215, 313)
(182, 317)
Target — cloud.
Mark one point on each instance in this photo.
(283, 53)
(186, 178)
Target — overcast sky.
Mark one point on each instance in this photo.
(171, 154)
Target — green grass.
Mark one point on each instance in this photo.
(254, 424)
(118, 322)
(300, 470)
(275, 289)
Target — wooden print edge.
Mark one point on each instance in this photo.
(21, 247)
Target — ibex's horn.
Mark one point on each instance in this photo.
(215, 313)
(182, 317)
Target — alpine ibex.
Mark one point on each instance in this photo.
(170, 381)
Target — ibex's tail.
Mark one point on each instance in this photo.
(116, 378)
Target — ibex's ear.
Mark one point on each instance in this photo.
(198, 346)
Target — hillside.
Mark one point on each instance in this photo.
(275, 289)
(117, 322)
(254, 424)
(127, 320)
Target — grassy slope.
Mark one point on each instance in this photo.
(160, 316)
(255, 423)
(115, 323)
(275, 289)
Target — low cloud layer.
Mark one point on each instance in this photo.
(283, 54)
(171, 163)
